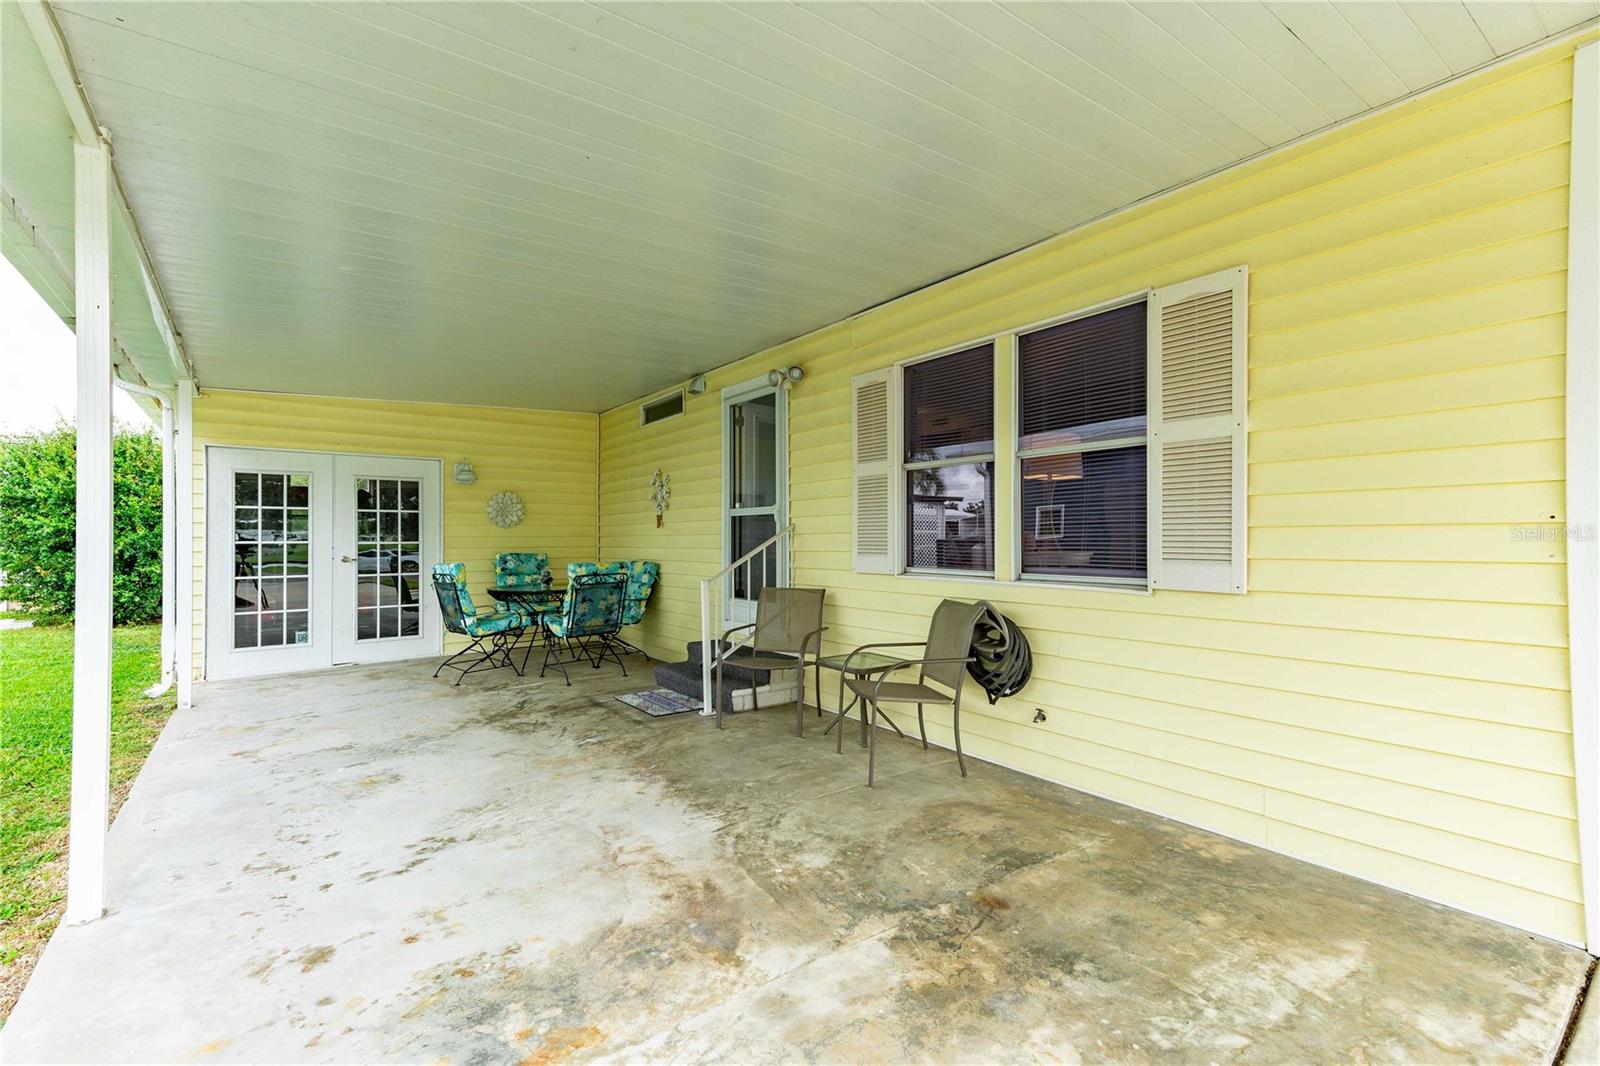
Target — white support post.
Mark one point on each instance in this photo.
(1583, 469)
(91, 663)
(183, 470)
(169, 544)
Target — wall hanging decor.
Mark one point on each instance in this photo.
(505, 509)
(660, 493)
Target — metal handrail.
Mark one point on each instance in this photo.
(712, 594)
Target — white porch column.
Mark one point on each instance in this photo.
(183, 535)
(169, 544)
(91, 663)
(1583, 468)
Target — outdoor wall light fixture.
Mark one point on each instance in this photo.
(786, 376)
(465, 475)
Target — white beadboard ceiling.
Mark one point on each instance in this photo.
(571, 205)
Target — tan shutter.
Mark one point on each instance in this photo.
(1198, 433)
(872, 469)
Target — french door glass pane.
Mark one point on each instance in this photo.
(950, 517)
(388, 557)
(271, 538)
(1083, 513)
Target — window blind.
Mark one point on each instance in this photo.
(1084, 380)
(949, 405)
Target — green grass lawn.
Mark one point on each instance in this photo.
(35, 773)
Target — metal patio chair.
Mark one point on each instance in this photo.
(590, 619)
(788, 627)
(948, 650)
(492, 633)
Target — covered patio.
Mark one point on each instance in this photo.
(1242, 357)
(369, 865)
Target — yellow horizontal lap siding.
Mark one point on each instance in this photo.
(546, 457)
(1390, 698)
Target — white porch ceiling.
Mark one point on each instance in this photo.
(570, 205)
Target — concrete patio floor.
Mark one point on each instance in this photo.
(367, 864)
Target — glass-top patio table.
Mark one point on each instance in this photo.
(858, 664)
(530, 599)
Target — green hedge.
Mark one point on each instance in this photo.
(38, 486)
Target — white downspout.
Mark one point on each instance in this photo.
(169, 536)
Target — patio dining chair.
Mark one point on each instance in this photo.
(946, 653)
(491, 633)
(788, 628)
(521, 570)
(588, 624)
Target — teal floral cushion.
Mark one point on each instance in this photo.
(589, 609)
(461, 615)
(642, 575)
(482, 625)
(514, 570)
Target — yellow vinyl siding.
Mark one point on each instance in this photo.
(1390, 698)
(547, 457)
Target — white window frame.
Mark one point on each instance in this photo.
(1081, 581)
(900, 529)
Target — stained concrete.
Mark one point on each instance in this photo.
(1584, 1046)
(368, 864)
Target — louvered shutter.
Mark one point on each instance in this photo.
(872, 472)
(1198, 391)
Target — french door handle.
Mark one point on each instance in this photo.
(347, 558)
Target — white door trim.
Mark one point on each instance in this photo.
(1583, 469)
(733, 394)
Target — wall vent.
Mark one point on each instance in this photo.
(662, 407)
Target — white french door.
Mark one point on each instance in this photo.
(385, 539)
(755, 497)
(316, 559)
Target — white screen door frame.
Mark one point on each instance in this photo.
(773, 500)
(330, 638)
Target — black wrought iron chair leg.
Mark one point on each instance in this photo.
(922, 727)
(453, 658)
(552, 657)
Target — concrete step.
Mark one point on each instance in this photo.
(684, 677)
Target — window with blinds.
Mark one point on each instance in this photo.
(1082, 440)
(948, 461)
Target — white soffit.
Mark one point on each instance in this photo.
(571, 205)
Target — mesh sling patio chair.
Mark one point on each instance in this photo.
(492, 633)
(947, 651)
(788, 627)
(590, 619)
